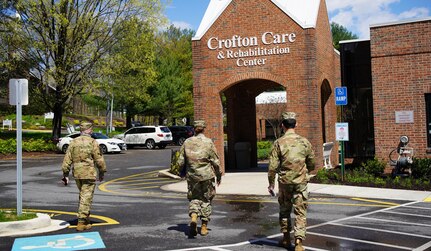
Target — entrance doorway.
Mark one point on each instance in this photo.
(241, 123)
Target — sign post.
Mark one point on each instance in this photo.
(18, 95)
(342, 129)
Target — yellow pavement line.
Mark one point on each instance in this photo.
(107, 220)
(102, 186)
(136, 180)
(428, 199)
(149, 182)
(377, 201)
(138, 188)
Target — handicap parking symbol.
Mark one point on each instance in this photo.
(81, 241)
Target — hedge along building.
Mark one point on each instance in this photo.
(245, 47)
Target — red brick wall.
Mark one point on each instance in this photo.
(310, 62)
(401, 63)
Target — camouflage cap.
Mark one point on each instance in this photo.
(199, 123)
(288, 115)
(85, 126)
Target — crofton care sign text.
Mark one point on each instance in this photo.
(251, 51)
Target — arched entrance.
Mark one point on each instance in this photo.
(241, 121)
(325, 94)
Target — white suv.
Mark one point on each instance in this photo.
(148, 136)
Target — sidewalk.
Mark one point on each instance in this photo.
(256, 183)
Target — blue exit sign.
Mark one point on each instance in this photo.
(341, 95)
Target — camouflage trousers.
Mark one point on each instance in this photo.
(86, 191)
(295, 196)
(200, 195)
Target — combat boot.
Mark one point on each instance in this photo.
(81, 226)
(204, 228)
(285, 242)
(298, 245)
(87, 224)
(194, 224)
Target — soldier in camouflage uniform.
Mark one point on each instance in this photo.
(291, 158)
(84, 155)
(202, 165)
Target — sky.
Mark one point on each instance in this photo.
(355, 15)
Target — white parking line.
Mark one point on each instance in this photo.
(426, 208)
(358, 240)
(423, 247)
(417, 215)
(395, 221)
(381, 230)
(334, 222)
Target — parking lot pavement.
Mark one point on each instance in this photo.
(403, 227)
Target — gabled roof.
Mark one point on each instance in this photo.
(303, 12)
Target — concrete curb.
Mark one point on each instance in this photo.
(41, 224)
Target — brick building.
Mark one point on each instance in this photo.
(389, 84)
(245, 47)
(401, 76)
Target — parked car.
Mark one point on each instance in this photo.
(106, 144)
(148, 136)
(181, 133)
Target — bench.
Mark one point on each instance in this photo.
(327, 149)
(8, 123)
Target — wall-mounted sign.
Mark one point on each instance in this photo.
(342, 131)
(404, 117)
(341, 95)
(251, 51)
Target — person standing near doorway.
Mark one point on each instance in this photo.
(200, 163)
(291, 158)
(84, 155)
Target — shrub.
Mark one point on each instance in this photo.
(374, 166)
(31, 145)
(263, 149)
(322, 176)
(7, 146)
(263, 153)
(327, 176)
(264, 145)
(421, 168)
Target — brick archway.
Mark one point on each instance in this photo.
(244, 47)
(241, 119)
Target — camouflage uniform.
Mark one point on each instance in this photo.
(291, 158)
(84, 154)
(198, 155)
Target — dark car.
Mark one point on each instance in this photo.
(181, 133)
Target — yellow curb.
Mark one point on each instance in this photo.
(428, 199)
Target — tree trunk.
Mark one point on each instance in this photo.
(56, 122)
(128, 121)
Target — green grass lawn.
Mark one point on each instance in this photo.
(11, 215)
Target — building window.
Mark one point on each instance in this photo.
(428, 115)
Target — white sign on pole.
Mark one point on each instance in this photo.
(18, 96)
(342, 131)
(23, 91)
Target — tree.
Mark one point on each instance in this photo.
(271, 110)
(172, 96)
(129, 69)
(340, 33)
(64, 39)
